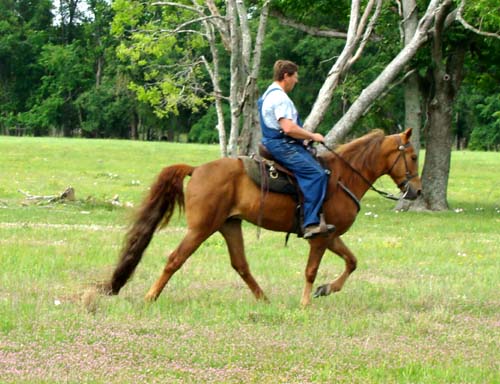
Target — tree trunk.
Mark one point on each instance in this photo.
(234, 89)
(446, 77)
(412, 93)
(438, 151)
(413, 109)
(439, 139)
(251, 133)
(215, 78)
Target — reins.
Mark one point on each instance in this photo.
(387, 195)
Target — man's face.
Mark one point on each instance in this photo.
(290, 81)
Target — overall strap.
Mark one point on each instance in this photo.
(267, 131)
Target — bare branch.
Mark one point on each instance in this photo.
(246, 38)
(325, 94)
(221, 24)
(178, 5)
(367, 33)
(391, 87)
(364, 19)
(259, 40)
(314, 31)
(466, 25)
(376, 88)
(194, 21)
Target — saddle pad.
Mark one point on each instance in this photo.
(277, 181)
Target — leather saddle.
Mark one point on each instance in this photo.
(271, 176)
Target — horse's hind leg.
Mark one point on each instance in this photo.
(337, 246)
(231, 230)
(188, 245)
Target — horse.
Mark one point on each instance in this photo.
(220, 195)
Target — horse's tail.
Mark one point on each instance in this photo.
(156, 210)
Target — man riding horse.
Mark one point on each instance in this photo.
(284, 137)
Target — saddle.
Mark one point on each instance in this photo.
(266, 172)
(270, 175)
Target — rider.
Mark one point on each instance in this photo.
(283, 136)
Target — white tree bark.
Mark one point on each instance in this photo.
(357, 35)
(325, 95)
(234, 31)
(251, 134)
(375, 89)
(234, 91)
(412, 94)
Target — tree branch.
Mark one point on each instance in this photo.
(367, 33)
(376, 88)
(221, 25)
(313, 31)
(466, 25)
(193, 21)
(178, 5)
(391, 87)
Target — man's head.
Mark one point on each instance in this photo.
(286, 73)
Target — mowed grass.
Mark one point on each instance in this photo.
(422, 307)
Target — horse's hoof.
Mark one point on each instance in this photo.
(150, 298)
(105, 288)
(322, 290)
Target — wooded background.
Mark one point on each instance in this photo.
(193, 70)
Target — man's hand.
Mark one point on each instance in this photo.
(318, 137)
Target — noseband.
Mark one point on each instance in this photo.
(402, 154)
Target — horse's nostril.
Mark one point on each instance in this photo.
(419, 192)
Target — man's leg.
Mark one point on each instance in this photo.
(311, 177)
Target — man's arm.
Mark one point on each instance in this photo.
(293, 130)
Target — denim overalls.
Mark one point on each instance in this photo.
(291, 153)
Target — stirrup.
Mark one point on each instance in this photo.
(322, 229)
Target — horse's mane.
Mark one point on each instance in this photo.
(361, 152)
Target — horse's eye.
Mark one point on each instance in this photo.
(414, 157)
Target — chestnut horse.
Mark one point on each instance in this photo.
(220, 195)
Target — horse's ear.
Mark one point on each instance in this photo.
(407, 133)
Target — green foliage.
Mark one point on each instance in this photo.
(151, 82)
(483, 15)
(65, 74)
(486, 136)
(112, 121)
(166, 64)
(205, 129)
(23, 31)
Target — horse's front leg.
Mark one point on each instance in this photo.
(316, 252)
(337, 246)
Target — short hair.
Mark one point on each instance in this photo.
(284, 66)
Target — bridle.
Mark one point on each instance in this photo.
(402, 154)
(404, 184)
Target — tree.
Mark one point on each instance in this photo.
(445, 75)
(176, 40)
(24, 27)
(448, 52)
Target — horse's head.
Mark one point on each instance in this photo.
(402, 164)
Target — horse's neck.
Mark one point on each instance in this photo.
(360, 179)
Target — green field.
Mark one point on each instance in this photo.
(422, 307)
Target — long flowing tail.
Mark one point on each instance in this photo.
(157, 208)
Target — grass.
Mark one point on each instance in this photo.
(423, 306)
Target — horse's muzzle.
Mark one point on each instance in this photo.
(411, 193)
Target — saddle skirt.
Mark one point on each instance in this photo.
(270, 175)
